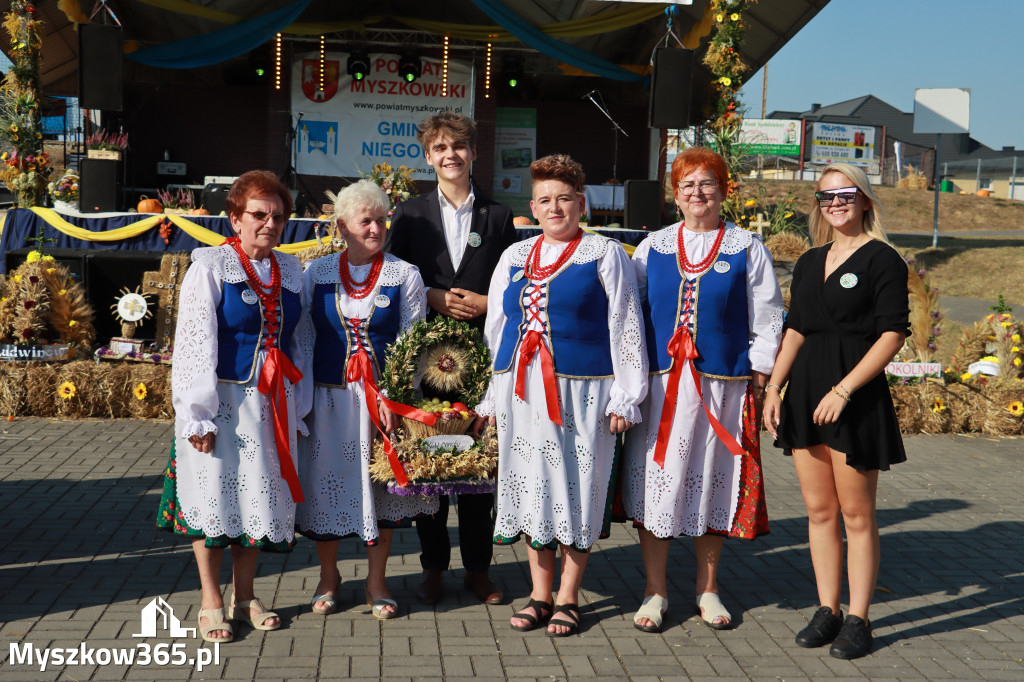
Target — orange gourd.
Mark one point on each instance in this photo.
(200, 211)
(521, 220)
(147, 205)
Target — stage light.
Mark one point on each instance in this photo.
(487, 73)
(444, 70)
(358, 64)
(277, 64)
(409, 67)
(512, 71)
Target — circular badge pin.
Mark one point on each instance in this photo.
(722, 267)
(474, 239)
(382, 301)
(519, 275)
(250, 297)
(848, 281)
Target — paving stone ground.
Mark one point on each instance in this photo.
(81, 558)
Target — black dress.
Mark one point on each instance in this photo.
(841, 318)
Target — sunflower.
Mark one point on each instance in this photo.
(938, 406)
(966, 376)
(66, 390)
(1016, 408)
(140, 391)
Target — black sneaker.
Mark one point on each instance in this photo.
(854, 639)
(822, 629)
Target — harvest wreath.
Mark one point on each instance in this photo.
(449, 359)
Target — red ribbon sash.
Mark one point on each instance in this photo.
(276, 369)
(361, 369)
(533, 342)
(681, 348)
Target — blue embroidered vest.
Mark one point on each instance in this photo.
(240, 331)
(333, 343)
(577, 312)
(720, 323)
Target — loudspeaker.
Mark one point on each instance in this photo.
(214, 198)
(671, 88)
(106, 273)
(642, 210)
(98, 186)
(100, 67)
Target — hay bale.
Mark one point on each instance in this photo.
(157, 401)
(908, 408)
(41, 390)
(787, 245)
(12, 389)
(87, 378)
(997, 419)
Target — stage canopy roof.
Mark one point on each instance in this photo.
(612, 40)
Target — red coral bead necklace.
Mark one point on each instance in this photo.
(704, 263)
(359, 289)
(533, 268)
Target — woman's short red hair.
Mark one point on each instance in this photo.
(701, 158)
(256, 184)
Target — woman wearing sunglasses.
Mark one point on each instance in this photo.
(847, 318)
(239, 399)
(713, 315)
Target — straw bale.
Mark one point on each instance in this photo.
(88, 400)
(12, 389)
(787, 245)
(157, 403)
(997, 419)
(41, 390)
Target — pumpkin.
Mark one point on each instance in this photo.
(200, 211)
(521, 220)
(983, 193)
(147, 205)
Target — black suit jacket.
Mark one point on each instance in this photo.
(417, 236)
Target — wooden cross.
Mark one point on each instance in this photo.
(165, 284)
(760, 223)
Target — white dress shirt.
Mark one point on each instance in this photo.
(457, 222)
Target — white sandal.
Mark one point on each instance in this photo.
(654, 609)
(710, 608)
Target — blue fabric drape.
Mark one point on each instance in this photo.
(514, 24)
(219, 46)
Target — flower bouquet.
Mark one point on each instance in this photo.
(397, 183)
(64, 192)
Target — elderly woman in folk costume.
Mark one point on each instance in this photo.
(361, 300)
(239, 363)
(565, 331)
(713, 315)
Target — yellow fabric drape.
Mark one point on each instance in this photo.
(194, 230)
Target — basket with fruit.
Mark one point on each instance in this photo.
(443, 367)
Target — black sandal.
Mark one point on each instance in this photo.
(573, 624)
(534, 622)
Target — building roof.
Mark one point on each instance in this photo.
(869, 110)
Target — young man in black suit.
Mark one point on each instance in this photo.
(455, 236)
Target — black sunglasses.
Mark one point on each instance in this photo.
(845, 197)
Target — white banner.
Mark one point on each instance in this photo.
(841, 142)
(346, 126)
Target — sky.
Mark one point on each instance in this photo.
(888, 48)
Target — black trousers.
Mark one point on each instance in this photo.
(476, 534)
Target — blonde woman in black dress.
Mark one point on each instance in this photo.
(848, 317)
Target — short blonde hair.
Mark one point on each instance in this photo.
(822, 233)
(362, 194)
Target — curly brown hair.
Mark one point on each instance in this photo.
(256, 184)
(559, 167)
(456, 126)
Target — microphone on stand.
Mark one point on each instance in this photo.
(590, 94)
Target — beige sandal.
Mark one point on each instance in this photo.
(215, 621)
(710, 607)
(652, 608)
(240, 611)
